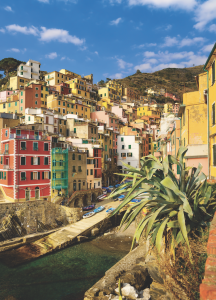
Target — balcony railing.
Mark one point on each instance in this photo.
(7, 167)
(25, 136)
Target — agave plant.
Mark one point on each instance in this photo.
(176, 206)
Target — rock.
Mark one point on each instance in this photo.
(157, 291)
(93, 292)
(144, 295)
(128, 291)
(95, 231)
(153, 271)
(137, 277)
(81, 238)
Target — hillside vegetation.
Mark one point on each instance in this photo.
(174, 80)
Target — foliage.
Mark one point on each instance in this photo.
(183, 275)
(9, 64)
(176, 206)
(102, 82)
(138, 72)
(108, 79)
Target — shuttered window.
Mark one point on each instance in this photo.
(213, 114)
(214, 155)
(213, 73)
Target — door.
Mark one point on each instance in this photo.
(7, 161)
(27, 194)
(37, 194)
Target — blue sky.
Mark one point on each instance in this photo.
(109, 38)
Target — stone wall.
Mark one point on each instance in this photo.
(84, 197)
(35, 216)
(208, 286)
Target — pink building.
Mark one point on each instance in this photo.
(172, 96)
(118, 111)
(5, 94)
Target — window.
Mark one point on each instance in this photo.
(213, 73)
(129, 146)
(213, 114)
(4, 105)
(36, 95)
(35, 161)
(73, 156)
(23, 145)
(54, 175)
(63, 103)
(46, 175)
(105, 147)
(91, 130)
(79, 157)
(74, 130)
(214, 155)
(91, 172)
(35, 146)
(46, 146)
(6, 133)
(59, 103)
(122, 146)
(46, 161)
(21, 73)
(122, 139)
(61, 163)
(21, 100)
(36, 88)
(129, 154)
(35, 175)
(21, 93)
(87, 172)
(63, 110)
(9, 104)
(23, 161)
(59, 110)
(123, 154)
(74, 169)
(79, 169)
(23, 176)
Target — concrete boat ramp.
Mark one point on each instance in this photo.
(63, 237)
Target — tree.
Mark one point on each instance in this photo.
(102, 82)
(138, 72)
(108, 79)
(9, 64)
(175, 208)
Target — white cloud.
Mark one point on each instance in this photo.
(205, 13)
(63, 58)
(168, 27)
(44, 1)
(170, 42)
(112, 2)
(175, 4)
(143, 67)
(2, 30)
(83, 48)
(116, 76)
(189, 42)
(25, 30)
(88, 59)
(165, 66)
(8, 8)
(60, 35)
(52, 55)
(212, 28)
(13, 50)
(149, 54)
(152, 60)
(207, 48)
(116, 22)
(123, 64)
(96, 52)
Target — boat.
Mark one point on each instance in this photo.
(99, 209)
(135, 200)
(110, 210)
(89, 207)
(89, 214)
(121, 197)
(101, 198)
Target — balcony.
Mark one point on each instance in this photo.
(7, 167)
(25, 136)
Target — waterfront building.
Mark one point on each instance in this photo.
(25, 164)
(78, 87)
(193, 114)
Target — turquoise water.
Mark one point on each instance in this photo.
(64, 275)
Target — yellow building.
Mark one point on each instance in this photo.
(168, 108)
(147, 110)
(210, 94)
(105, 102)
(109, 93)
(105, 137)
(11, 105)
(17, 82)
(67, 105)
(112, 84)
(44, 95)
(71, 74)
(78, 87)
(55, 77)
(193, 114)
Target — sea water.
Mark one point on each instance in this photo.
(64, 275)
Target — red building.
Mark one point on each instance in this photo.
(25, 165)
(30, 97)
(63, 88)
(172, 96)
(97, 153)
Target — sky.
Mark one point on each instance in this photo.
(108, 38)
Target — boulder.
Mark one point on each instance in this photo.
(95, 231)
(128, 291)
(137, 277)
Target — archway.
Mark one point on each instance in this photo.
(27, 194)
(94, 197)
(37, 193)
(77, 202)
